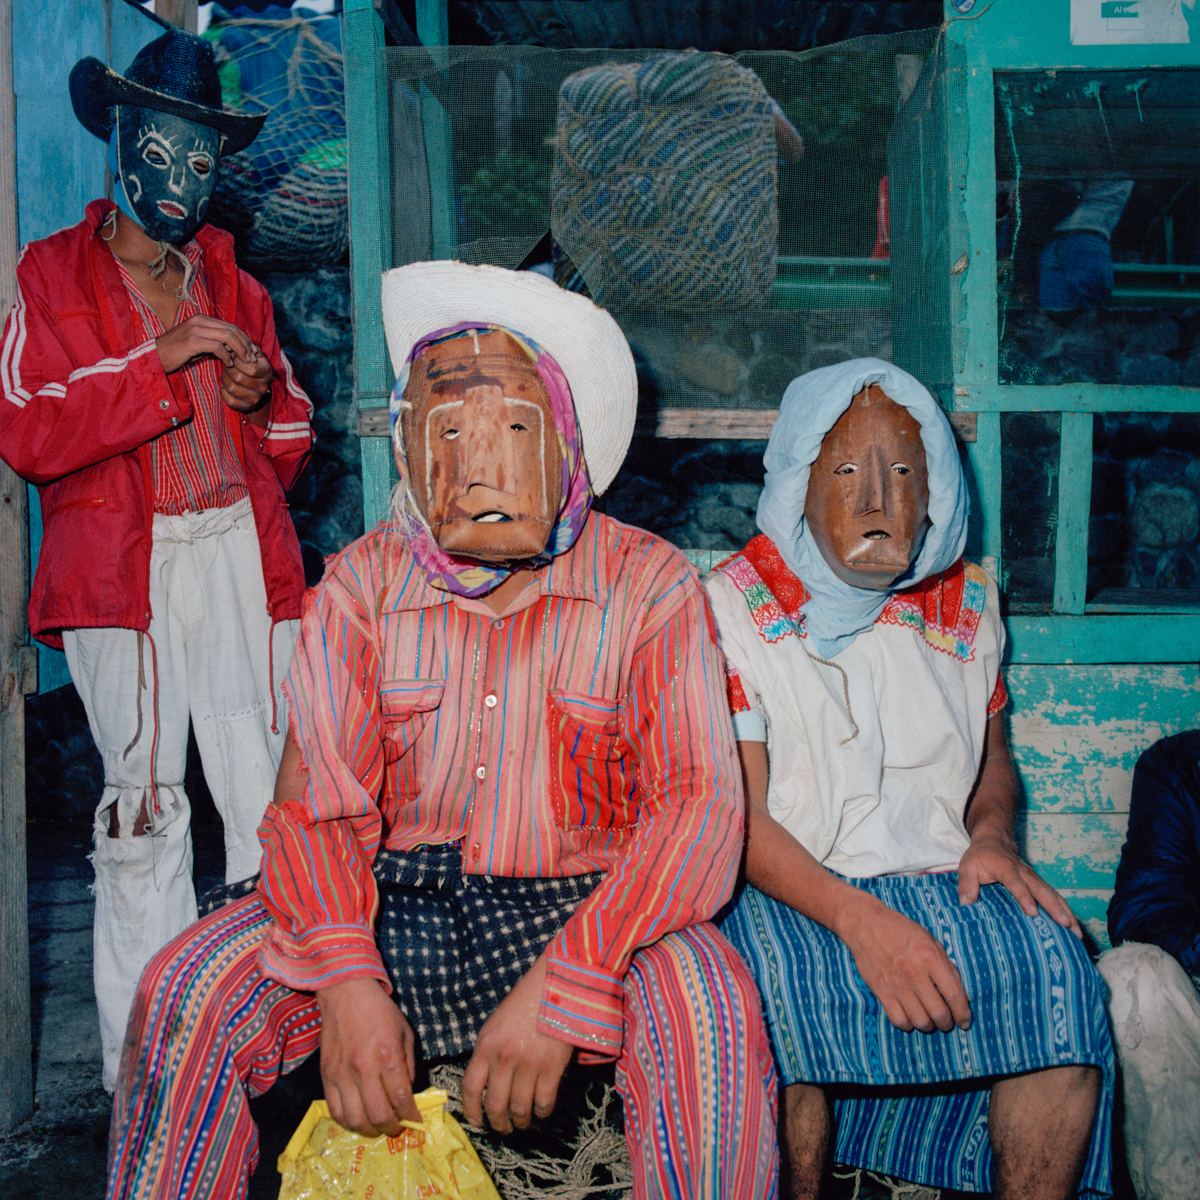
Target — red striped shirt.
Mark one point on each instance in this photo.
(586, 732)
(194, 466)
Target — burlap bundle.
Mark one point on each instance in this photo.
(663, 191)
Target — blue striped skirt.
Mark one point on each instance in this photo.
(1036, 1002)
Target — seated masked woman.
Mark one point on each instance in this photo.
(930, 1004)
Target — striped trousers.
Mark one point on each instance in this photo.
(209, 1030)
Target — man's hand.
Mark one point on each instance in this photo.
(905, 967)
(368, 1059)
(200, 335)
(246, 386)
(992, 858)
(515, 1070)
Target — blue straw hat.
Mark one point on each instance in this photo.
(175, 73)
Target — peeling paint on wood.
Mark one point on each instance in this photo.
(1077, 731)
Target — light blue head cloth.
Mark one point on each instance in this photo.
(837, 612)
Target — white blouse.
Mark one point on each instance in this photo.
(874, 753)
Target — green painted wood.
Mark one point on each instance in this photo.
(1090, 905)
(378, 474)
(370, 224)
(1077, 731)
(984, 457)
(920, 228)
(1074, 397)
(705, 560)
(370, 197)
(433, 29)
(972, 150)
(1074, 511)
(1104, 638)
(1077, 849)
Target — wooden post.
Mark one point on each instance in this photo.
(181, 13)
(18, 673)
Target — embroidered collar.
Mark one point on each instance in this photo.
(944, 609)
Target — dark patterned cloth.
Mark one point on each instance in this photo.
(455, 945)
(225, 893)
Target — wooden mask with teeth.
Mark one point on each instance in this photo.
(483, 455)
(868, 492)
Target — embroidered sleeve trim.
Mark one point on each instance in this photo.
(772, 593)
(999, 699)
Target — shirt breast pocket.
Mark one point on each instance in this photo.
(407, 705)
(592, 780)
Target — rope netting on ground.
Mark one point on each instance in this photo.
(285, 196)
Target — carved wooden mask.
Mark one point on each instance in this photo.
(868, 492)
(482, 452)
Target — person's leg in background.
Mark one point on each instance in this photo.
(236, 663)
(135, 694)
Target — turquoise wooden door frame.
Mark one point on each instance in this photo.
(368, 105)
(1023, 35)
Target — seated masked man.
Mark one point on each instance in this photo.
(914, 970)
(510, 797)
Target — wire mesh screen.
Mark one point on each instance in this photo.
(1098, 226)
(284, 197)
(729, 210)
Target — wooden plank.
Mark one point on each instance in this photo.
(976, 287)
(1103, 638)
(16, 1058)
(1077, 731)
(181, 13)
(378, 476)
(984, 455)
(1074, 512)
(370, 197)
(433, 30)
(1076, 849)
(1090, 905)
(1075, 397)
(747, 424)
(1159, 600)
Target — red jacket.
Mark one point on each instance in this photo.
(84, 394)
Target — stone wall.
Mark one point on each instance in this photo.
(312, 317)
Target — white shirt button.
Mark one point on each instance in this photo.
(498, 623)
(480, 772)
(490, 701)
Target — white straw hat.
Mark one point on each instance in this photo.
(583, 339)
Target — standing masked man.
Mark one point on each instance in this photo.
(146, 394)
(913, 968)
(510, 797)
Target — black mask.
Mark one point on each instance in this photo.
(168, 167)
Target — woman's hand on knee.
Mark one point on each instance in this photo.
(368, 1058)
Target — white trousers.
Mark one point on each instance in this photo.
(1156, 1027)
(210, 657)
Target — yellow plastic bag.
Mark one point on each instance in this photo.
(323, 1161)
